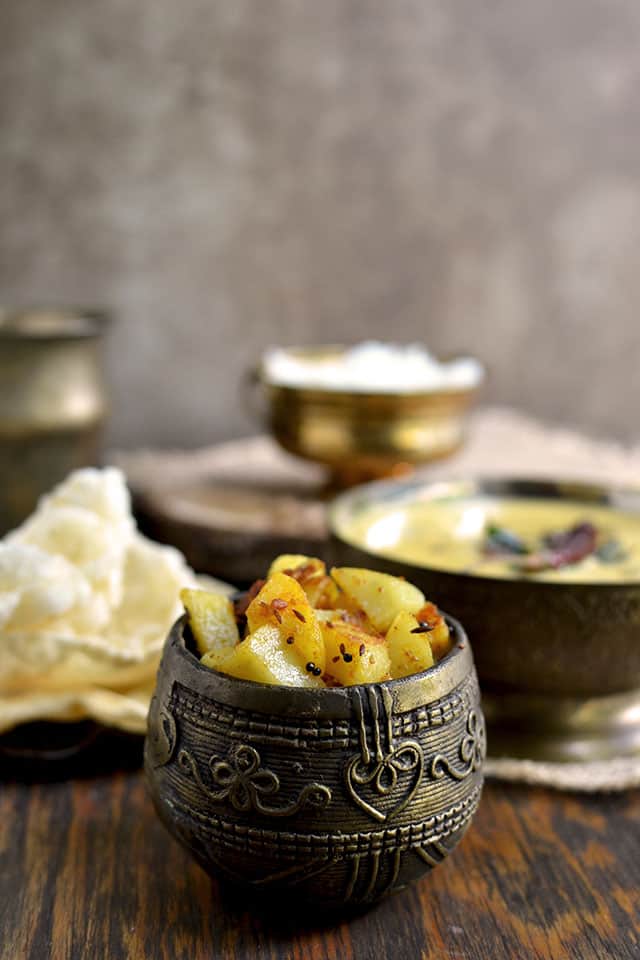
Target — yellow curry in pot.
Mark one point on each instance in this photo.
(506, 537)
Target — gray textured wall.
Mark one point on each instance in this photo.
(229, 173)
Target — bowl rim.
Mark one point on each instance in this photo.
(342, 395)
(65, 322)
(319, 702)
(623, 497)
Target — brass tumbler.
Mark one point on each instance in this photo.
(52, 402)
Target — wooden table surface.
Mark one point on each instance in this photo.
(88, 872)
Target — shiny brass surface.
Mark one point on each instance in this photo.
(365, 435)
(563, 729)
(52, 402)
(559, 662)
(335, 797)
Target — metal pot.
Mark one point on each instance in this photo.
(334, 797)
(52, 402)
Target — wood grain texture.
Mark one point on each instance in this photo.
(87, 871)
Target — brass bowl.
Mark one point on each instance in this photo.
(558, 662)
(362, 436)
(333, 797)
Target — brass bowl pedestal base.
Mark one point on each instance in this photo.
(562, 729)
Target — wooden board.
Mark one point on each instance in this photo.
(88, 871)
(230, 508)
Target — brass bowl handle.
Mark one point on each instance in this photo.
(253, 401)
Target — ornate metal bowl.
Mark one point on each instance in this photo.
(335, 797)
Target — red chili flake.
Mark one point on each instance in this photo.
(241, 621)
(331, 681)
(241, 603)
(562, 549)
(255, 589)
(300, 616)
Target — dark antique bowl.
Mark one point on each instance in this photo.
(559, 661)
(335, 797)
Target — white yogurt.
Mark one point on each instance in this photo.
(372, 367)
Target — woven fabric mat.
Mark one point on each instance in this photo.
(501, 442)
(617, 774)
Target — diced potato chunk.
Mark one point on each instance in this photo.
(409, 650)
(265, 657)
(322, 592)
(353, 655)
(323, 615)
(381, 596)
(439, 635)
(283, 603)
(212, 621)
(291, 561)
(311, 574)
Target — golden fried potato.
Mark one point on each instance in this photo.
(264, 657)
(288, 562)
(353, 655)
(408, 646)
(306, 628)
(381, 596)
(439, 634)
(311, 574)
(283, 603)
(212, 621)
